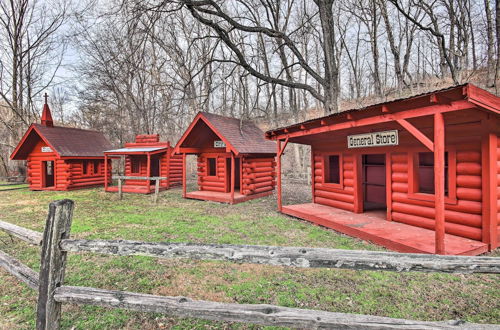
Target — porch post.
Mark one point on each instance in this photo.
(278, 174)
(439, 182)
(232, 177)
(279, 153)
(105, 172)
(184, 188)
(148, 172)
(489, 183)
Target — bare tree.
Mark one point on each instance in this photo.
(31, 53)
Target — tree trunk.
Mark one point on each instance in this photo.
(497, 71)
(331, 88)
(490, 43)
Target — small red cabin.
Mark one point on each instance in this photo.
(235, 162)
(421, 173)
(61, 158)
(147, 157)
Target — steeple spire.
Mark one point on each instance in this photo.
(46, 115)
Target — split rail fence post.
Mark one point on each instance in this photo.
(157, 189)
(120, 193)
(53, 263)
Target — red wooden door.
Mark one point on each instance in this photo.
(374, 195)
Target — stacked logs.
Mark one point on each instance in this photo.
(34, 173)
(211, 183)
(337, 196)
(144, 138)
(258, 175)
(75, 177)
(463, 218)
(173, 168)
(142, 171)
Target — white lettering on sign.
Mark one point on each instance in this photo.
(219, 144)
(46, 149)
(376, 139)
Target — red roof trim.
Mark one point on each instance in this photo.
(199, 117)
(23, 140)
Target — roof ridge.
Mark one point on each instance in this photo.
(226, 117)
(66, 127)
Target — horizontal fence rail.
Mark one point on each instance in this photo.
(56, 244)
(19, 270)
(124, 177)
(291, 256)
(27, 235)
(261, 314)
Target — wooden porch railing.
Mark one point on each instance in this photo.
(56, 243)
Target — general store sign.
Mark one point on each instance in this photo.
(375, 139)
(46, 149)
(219, 144)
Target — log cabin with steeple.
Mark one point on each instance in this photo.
(61, 158)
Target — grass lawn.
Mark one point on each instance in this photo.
(474, 298)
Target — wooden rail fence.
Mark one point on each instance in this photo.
(157, 180)
(55, 244)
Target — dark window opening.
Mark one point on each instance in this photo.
(135, 165)
(426, 172)
(332, 174)
(85, 167)
(96, 167)
(212, 169)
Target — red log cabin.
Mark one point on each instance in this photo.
(146, 157)
(235, 162)
(61, 158)
(422, 174)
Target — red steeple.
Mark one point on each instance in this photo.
(46, 115)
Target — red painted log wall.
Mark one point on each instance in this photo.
(463, 214)
(212, 183)
(68, 173)
(258, 175)
(170, 166)
(339, 196)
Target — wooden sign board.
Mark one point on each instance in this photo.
(219, 144)
(375, 139)
(46, 149)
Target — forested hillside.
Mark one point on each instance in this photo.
(130, 67)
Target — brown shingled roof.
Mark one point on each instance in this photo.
(75, 142)
(244, 136)
(66, 142)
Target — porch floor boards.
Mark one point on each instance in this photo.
(221, 197)
(373, 227)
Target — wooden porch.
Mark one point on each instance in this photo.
(135, 189)
(222, 197)
(373, 227)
